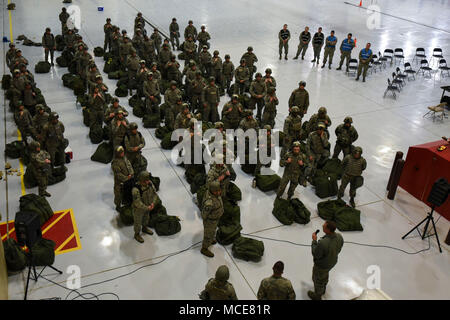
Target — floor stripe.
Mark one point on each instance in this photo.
(9, 232)
(65, 242)
(54, 222)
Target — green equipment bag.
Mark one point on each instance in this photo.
(99, 52)
(301, 214)
(78, 86)
(327, 209)
(267, 182)
(166, 225)
(359, 182)
(248, 168)
(231, 213)
(198, 181)
(42, 67)
(227, 234)
(106, 133)
(134, 100)
(6, 81)
(114, 75)
(104, 153)
(72, 67)
(234, 193)
(156, 181)
(14, 149)
(44, 252)
(140, 166)
(348, 219)
(248, 249)
(283, 211)
(58, 175)
(96, 133)
(200, 195)
(181, 56)
(38, 204)
(139, 109)
(193, 170)
(16, 259)
(333, 167)
(162, 110)
(151, 120)
(325, 184)
(126, 215)
(123, 81)
(121, 91)
(167, 143)
(160, 132)
(62, 62)
(67, 79)
(85, 112)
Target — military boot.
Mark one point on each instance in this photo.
(329, 66)
(323, 65)
(279, 57)
(352, 202)
(295, 58)
(285, 57)
(147, 230)
(46, 194)
(364, 79)
(207, 253)
(339, 68)
(357, 78)
(312, 60)
(313, 296)
(138, 238)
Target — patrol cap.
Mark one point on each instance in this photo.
(267, 127)
(133, 126)
(321, 125)
(295, 109)
(222, 273)
(218, 124)
(98, 77)
(242, 60)
(119, 150)
(174, 19)
(115, 99)
(39, 107)
(268, 70)
(124, 31)
(214, 186)
(322, 110)
(348, 120)
(250, 49)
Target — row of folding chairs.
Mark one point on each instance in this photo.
(397, 56)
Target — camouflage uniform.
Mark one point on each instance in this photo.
(250, 59)
(318, 148)
(122, 168)
(257, 87)
(174, 34)
(40, 169)
(316, 118)
(300, 98)
(219, 288)
(157, 40)
(292, 129)
(214, 173)
(49, 44)
(53, 137)
(231, 118)
(189, 48)
(228, 73)
(172, 97)
(118, 131)
(216, 70)
(135, 157)
(291, 173)
(108, 30)
(205, 62)
(97, 106)
(111, 112)
(270, 108)
(24, 123)
(198, 84)
(203, 38)
(210, 99)
(190, 30)
(143, 197)
(151, 88)
(39, 122)
(125, 49)
(276, 288)
(353, 168)
(212, 210)
(241, 79)
(173, 72)
(182, 120)
(345, 138)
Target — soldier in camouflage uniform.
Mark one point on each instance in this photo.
(18, 82)
(300, 98)
(40, 167)
(266, 150)
(241, 78)
(210, 99)
(24, 122)
(152, 94)
(97, 106)
(250, 59)
(100, 85)
(203, 37)
(189, 71)
(346, 134)
(248, 122)
(164, 56)
(172, 69)
(133, 64)
(49, 44)
(92, 77)
(216, 70)
(53, 137)
(63, 17)
(40, 119)
(83, 63)
(134, 143)
(258, 91)
(148, 51)
(318, 148)
(123, 171)
(205, 61)
(197, 86)
(227, 72)
(111, 112)
(183, 118)
(270, 107)
(231, 113)
(276, 287)
(189, 48)
(353, 164)
(125, 50)
(219, 172)
(119, 128)
(295, 163)
(320, 116)
(325, 253)
(269, 80)
(219, 288)
(108, 30)
(173, 98)
(292, 129)
(11, 53)
(190, 30)
(141, 77)
(157, 40)
(156, 74)
(174, 30)
(212, 210)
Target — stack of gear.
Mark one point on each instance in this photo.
(290, 211)
(325, 180)
(345, 217)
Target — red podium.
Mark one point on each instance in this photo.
(423, 166)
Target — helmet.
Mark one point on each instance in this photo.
(142, 61)
(295, 109)
(53, 115)
(242, 60)
(234, 96)
(211, 79)
(357, 150)
(268, 70)
(250, 49)
(214, 186)
(222, 273)
(192, 63)
(115, 99)
(258, 74)
(321, 125)
(172, 57)
(185, 106)
(144, 176)
(348, 120)
(267, 127)
(322, 110)
(198, 72)
(302, 83)
(248, 112)
(227, 56)
(218, 159)
(98, 77)
(218, 124)
(16, 71)
(47, 29)
(149, 74)
(133, 126)
(216, 52)
(190, 21)
(119, 150)
(296, 144)
(39, 107)
(173, 83)
(202, 27)
(205, 47)
(34, 145)
(190, 35)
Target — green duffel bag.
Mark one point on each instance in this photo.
(193, 170)
(104, 153)
(167, 143)
(121, 91)
(234, 193)
(333, 166)
(166, 225)
(268, 182)
(106, 133)
(139, 110)
(126, 215)
(14, 149)
(151, 120)
(86, 116)
(6, 81)
(160, 132)
(96, 133)
(327, 209)
(325, 184)
(227, 234)
(73, 67)
(42, 67)
(301, 214)
(123, 81)
(248, 249)
(62, 62)
(134, 100)
(140, 166)
(359, 182)
(231, 213)
(78, 86)
(67, 79)
(200, 195)
(348, 219)
(198, 181)
(57, 175)
(114, 75)
(156, 181)
(44, 252)
(16, 259)
(38, 204)
(162, 110)
(157, 211)
(181, 56)
(99, 52)
(283, 211)
(107, 56)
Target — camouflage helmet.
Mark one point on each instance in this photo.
(216, 52)
(211, 79)
(348, 120)
(185, 106)
(267, 127)
(322, 110)
(258, 74)
(98, 77)
(133, 126)
(227, 56)
(295, 109)
(268, 70)
(144, 176)
(218, 124)
(39, 107)
(16, 71)
(203, 27)
(248, 112)
(198, 73)
(222, 273)
(218, 158)
(173, 83)
(142, 61)
(234, 96)
(192, 63)
(34, 145)
(53, 115)
(115, 99)
(357, 150)
(302, 83)
(250, 49)
(149, 74)
(242, 60)
(321, 125)
(119, 150)
(214, 186)
(296, 144)
(205, 47)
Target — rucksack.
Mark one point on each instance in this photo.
(126, 215)
(114, 75)
(327, 209)
(283, 211)
(86, 120)
(99, 52)
(38, 204)
(16, 259)
(121, 91)
(44, 252)
(301, 214)
(104, 153)
(62, 62)
(166, 225)
(162, 111)
(193, 170)
(160, 132)
(325, 184)
(72, 67)
(67, 79)
(227, 234)
(6, 81)
(78, 86)
(248, 249)
(96, 133)
(151, 120)
(167, 143)
(134, 100)
(200, 195)
(42, 67)
(198, 181)
(14, 149)
(333, 166)
(346, 218)
(231, 214)
(139, 109)
(234, 193)
(267, 182)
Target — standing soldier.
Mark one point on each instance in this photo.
(295, 163)
(92, 77)
(320, 116)
(248, 122)
(264, 149)
(173, 71)
(83, 63)
(190, 30)
(219, 288)
(189, 48)
(269, 80)
(97, 105)
(174, 30)
(353, 165)
(189, 71)
(141, 77)
(212, 210)
(365, 56)
(164, 57)
(173, 97)
(346, 134)
(250, 59)
(138, 42)
(49, 44)
(196, 91)
(270, 108)
(241, 78)
(276, 287)
(219, 172)
(304, 38)
(108, 30)
(134, 143)
(119, 127)
(54, 139)
(40, 119)
(210, 99)
(11, 53)
(330, 46)
(318, 148)
(123, 171)
(227, 72)
(216, 70)
(300, 98)
(40, 167)
(63, 17)
(347, 46)
(152, 94)
(183, 119)
(317, 41)
(284, 35)
(258, 91)
(24, 122)
(325, 254)
(203, 38)
(231, 113)
(111, 112)
(133, 64)
(157, 40)
(205, 61)
(139, 20)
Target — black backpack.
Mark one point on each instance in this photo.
(127, 188)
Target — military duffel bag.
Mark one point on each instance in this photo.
(151, 120)
(268, 182)
(99, 52)
(78, 86)
(139, 109)
(333, 166)
(114, 75)
(198, 181)
(121, 91)
(231, 214)
(325, 184)
(301, 214)
(283, 211)
(192, 171)
(62, 62)
(327, 209)
(14, 149)
(166, 225)
(42, 67)
(234, 193)
(126, 215)
(162, 110)
(37, 204)
(44, 252)
(227, 234)
(67, 79)
(160, 132)
(96, 133)
(104, 153)
(6, 81)
(200, 195)
(348, 219)
(167, 143)
(15, 257)
(86, 120)
(248, 249)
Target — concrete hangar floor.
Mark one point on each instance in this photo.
(385, 126)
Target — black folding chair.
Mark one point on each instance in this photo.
(424, 68)
(445, 70)
(396, 81)
(437, 55)
(376, 63)
(409, 71)
(399, 56)
(420, 55)
(389, 55)
(391, 88)
(401, 76)
(352, 67)
(382, 60)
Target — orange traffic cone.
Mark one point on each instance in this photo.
(355, 42)
(360, 3)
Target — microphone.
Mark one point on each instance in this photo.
(317, 231)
